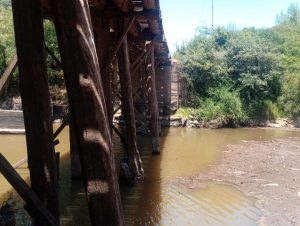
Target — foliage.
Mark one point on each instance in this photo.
(183, 112)
(54, 72)
(222, 104)
(249, 73)
(290, 98)
(271, 110)
(203, 61)
(7, 49)
(7, 44)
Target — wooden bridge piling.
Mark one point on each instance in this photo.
(29, 36)
(104, 41)
(88, 109)
(135, 163)
(153, 105)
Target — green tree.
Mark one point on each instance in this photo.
(203, 61)
(7, 44)
(254, 67)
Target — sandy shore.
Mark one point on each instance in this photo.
(269, 171)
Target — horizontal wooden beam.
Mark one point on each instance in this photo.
(146, 36)
(145, 14)
(34, 203)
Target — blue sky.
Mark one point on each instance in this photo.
(182, 17)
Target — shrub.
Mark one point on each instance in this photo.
(222, 104)
(184, 112)
(289, 102)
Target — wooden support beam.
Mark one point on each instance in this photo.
(103, 41)
(8, 73)
(76, 169)
(153, 105)
(88, 110)
(119, 44)
(49, 51)
(143, 83)
(38, 210)
(120, 135)
(65, 122)
(55, 142)
(135, 163)
(29, 36)
(139, 63)
(145, 14)
(138, 59)
(141, 117)
(146, 36)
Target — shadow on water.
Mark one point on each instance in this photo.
(141, 202)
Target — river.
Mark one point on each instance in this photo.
(157, 200)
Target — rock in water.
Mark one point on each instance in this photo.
(7, 212)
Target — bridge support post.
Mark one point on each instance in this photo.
(103, 47)
(143, 91)
(88, 110)
(135, 163)
(76, 171)
(153, 106)
(29, 34)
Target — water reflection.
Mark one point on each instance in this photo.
(185, 152)
(156, 201)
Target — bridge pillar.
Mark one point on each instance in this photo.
(153, 105)
(103, 41)
(134, 161)
(29, 34)
(88, 110)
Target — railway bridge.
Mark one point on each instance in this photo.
(114, 58)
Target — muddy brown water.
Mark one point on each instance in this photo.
(157, 201)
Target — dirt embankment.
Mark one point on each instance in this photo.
(266, 170)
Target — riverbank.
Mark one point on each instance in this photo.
(191, 122)
(266, 170)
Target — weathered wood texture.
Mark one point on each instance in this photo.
(8, 73)
(121, 136)
(87, 106)
(34, 90)
(103, 43)
(135, 163)
(164, 91)
(36, 206)
(142, 101)
(118, 44)
(76, 170)
(153, 106)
